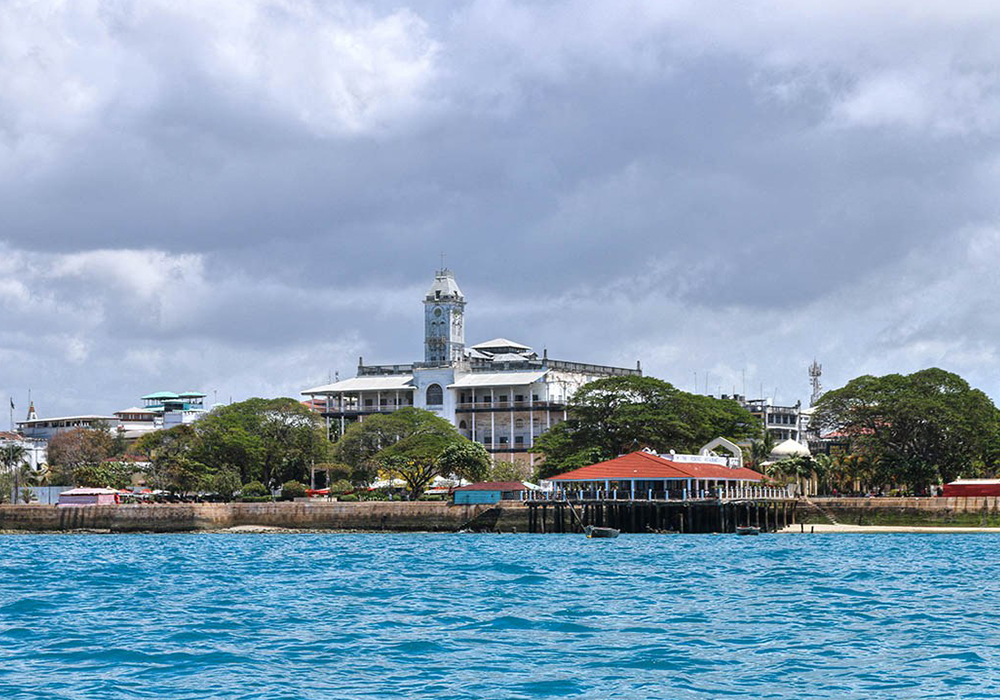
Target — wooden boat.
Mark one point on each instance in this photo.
(747, 530)
(595, 532)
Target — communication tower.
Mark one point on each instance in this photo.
(815, 372)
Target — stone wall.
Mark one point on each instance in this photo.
(370, 515)
(977, 511)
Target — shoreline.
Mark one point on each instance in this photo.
(829, 528)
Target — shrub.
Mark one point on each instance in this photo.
(348, 498)
(341, 486)
(254, 489)
(292, 489)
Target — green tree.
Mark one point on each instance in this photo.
(918, 429)
(270, 440)
(226, 483)
(80, 447)
(760, 449)
(615, 415)
(113, 475)
(172, 456)
(407, 443)
(466, 460)
(502, 470)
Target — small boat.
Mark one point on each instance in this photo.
(747, 530)
(594, 532)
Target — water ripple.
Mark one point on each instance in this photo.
(481, 616)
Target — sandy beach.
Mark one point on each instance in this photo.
(881, 529)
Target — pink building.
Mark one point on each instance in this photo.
(88, 497)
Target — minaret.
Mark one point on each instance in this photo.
(444, 320)
(31, 411)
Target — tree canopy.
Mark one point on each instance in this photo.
(411, 443)
(615, 415)
(917, 429)
(266, 440)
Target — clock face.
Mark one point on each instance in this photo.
(437, 310)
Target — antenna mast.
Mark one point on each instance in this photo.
(815, 372)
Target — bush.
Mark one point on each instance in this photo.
(254, 489)
(341, 486)
(348, 498)
(291, 490)
(431, 498)
(255, 499)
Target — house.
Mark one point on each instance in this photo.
(491, 492)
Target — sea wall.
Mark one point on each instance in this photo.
(370, 515)
(973, 511)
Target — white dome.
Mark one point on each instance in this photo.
(790, 448)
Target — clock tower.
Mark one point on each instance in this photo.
(444, 320)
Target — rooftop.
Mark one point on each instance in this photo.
(444, 286)
(495, 486)
(647, 466)
(392, 382)
(499, 344)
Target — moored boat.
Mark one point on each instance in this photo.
(747, 530)
(597, 532)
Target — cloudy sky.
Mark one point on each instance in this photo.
(244, 196)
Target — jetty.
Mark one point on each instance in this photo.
(769, 512)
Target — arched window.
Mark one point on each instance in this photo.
(462, 425)
(435, 396)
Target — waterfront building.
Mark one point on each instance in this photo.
(492, 492)
(35, 450)
(499, 393)
(783, 422)
(47, 428)
(647, 475)
(167, 410)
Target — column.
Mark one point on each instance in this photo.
(531, 417)
(493, 420)
(511, 397)
(341, 399)
(378, 401)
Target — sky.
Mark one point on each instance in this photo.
(244, 196)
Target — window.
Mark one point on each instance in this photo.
(519, 423)
(503, 439)
(519, 398)
(518, 440)
(435, 396)
(462, 425)
(503, 398)
(534, 397)
(369, 402)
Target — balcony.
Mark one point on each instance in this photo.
(352, 410)
(470, 406)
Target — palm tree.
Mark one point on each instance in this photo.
(761, 448)
(13, 458)
(823, 468)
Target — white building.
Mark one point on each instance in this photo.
(35, 450)
(46, 428)
(499, 393)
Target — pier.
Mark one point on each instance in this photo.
(716, 515)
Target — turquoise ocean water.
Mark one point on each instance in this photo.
(499, 616)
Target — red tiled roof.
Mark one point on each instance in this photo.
(650, 467)
(494, 486)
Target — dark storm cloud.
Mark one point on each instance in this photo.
(249, 195)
